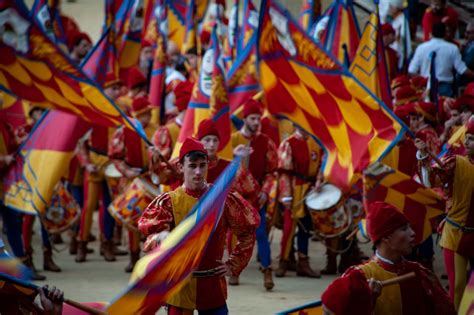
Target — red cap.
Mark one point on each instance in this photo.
(383, 219)
(469, 89)
(427, 109)
(146, 43)
(449, 21)
(75, 37)
(207, 127)
(400, 80)
(205, 37)
(111, 79)
(405, 94)
(182, 92)
(387, 28)
(140, 105)
(252, 107)
(419, 82)
(189, 145)
(470, 125)
(135, 78)
(402, 112)
(464, 100)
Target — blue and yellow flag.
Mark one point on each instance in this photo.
(342, 35)
(369, 65)
(310, 11)
(249, 25)
(304, 84)
(158, 275)
(41, 162)
(177, 22)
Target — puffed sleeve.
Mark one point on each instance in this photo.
(271, 166)
(158, 216)
(243, 221)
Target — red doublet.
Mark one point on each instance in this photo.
(166, 211)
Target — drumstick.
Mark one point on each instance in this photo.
(352, 234)
(398, 279)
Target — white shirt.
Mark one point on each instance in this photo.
(447, 58)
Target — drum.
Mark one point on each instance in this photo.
(355, 207)
(128, 206)
(113, 177)
(63, 212)
(330, 218)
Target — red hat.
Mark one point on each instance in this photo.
(146, 43)
(182, 92)
(387, 29)
(419, 82)
(189, 145)
(402, 112)
(252, 107)
(405, 94)
(427, 109)
(111, 79)
(383, 219)
(205, 37)
(400, 80)
(349, 295)
(449, 21)
(207, 127)
(140, 105)
(75, 38)
(469, 90)
(470, 125)
(135, 78)
(464, 100)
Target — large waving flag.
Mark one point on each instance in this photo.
(158, 275)
(41, 162)
(369, 65)
(13, 110)
(342, 35)
(12, 266)
(467, 302)
(305, 85)
(419, 203)
(177, 21)
(310, 11)
(313, 308)
(36, 70)
(230, 42)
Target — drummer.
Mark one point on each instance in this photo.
(299, 161)
(130, 155)
(359, 290)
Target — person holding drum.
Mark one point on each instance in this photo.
(130, 156)
(456, 176)
(92, 155)
(204, 293)
(299, 162)
(364, 289)
(261, 164)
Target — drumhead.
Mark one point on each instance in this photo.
(327, 198)
(149, 187)
(112, 171)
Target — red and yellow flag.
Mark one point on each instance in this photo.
(419, 203)
(42, 161)
(342, 35)
(369, 65)
(305, 85)
(36, 70)
(177, 22)
(13, 110)
(158, 275)
(249, 25)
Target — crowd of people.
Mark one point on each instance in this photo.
(281, 166)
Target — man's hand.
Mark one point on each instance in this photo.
(223, 269)
(91, 168)
(154, 241)
(421, 145)
(132, 172)
(262, 198)
(375, 286)
(155, 154)
(242, 150)
(51, 300)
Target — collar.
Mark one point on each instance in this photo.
(383, 259)
(246, 135)
(195, 193)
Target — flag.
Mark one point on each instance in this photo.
(467, 302)
(176, 21)
(249, 25)
(41, 162)
(313, 308)
(36, 70)
(15, 288)
(369, 65)
(310, 11)
(341, 38)
(305, 85)
(158, 275)
(47, 15)
(230, 41)
(417, 202)
(158, 72)
(12, 266)
(13, 110)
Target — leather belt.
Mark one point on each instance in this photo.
(204, 273)
(459, 226)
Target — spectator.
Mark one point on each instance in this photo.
(435, 14)
(388, 37)
(468, 48)
(448, 58)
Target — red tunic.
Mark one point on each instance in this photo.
(429, 19)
